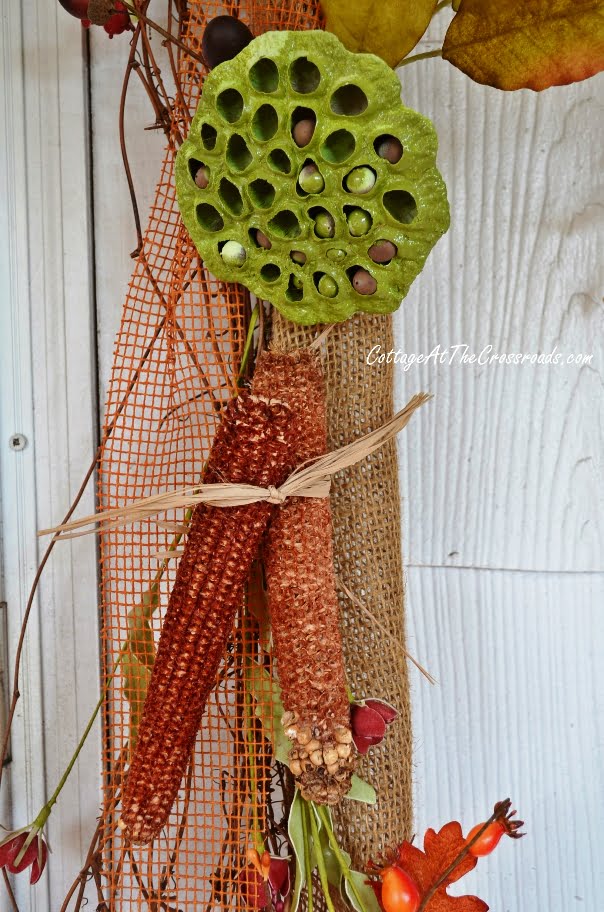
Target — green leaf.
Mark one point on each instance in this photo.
(389, 29)
(136, 683)
(527, 44)
(295, 831)
(368, 897)
(361, 791)
(269, 709)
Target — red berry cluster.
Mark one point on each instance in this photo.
(117, 23)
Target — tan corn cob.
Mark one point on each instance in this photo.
(255, 444)
(303, 604)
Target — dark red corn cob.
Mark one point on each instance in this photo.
(255, 444)
(303, 604)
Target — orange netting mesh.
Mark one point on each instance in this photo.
(176, 361)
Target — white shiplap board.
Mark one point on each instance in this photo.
(505, 468)
(518, 712)
(502, 470)
(48, 393)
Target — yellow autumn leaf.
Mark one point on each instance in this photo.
(389, 29)
(527, 44)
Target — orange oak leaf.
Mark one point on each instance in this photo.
(527, 44)
(427, 867)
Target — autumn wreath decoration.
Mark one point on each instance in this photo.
(298, 190)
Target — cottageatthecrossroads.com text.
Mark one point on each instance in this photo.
(462, 354)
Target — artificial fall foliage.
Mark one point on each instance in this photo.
(527, 44)
(389, 30)
(417, 881)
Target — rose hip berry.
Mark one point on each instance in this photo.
(399, 891)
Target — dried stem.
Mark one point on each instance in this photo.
(158, 28)
(9, 890)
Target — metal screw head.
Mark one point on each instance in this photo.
(17, 442)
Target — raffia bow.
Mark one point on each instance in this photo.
(311, 480)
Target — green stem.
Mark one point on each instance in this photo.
(320, 859)
(324, 817)
(248, 343)
(250, 740)
(45, 812)
(307, 864)
(423, 56)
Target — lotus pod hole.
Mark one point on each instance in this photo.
(362, 281)
(265, 123)
(279, 161)
(401, 205)
(307, 197)
(360, 180)
(209, 217)
(208, 136)
(285, 224)
(233, 253)
(230, 105)
(338, 146)
(326, 285)
(389, 148)
(238, 155)
(295, 290)
(270, 272)
(310, 179)
(200, 173)
(359, 221)
(304, 76)
(262, 193)
(264, 75)
(230, 196)
(349, 100)
(383, 251)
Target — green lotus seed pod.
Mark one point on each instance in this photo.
(360, 180)
(233, 253)
(202, 177)
(287, 100)
(325, 226)
(359, 222)
(311, 179)
(327, 286)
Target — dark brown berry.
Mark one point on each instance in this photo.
(202, 177)
(223, 39)
(303, 131)
(363, 282)
(390, 148)
(263, 240)
(382, 251)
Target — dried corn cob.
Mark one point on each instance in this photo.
(303, 604)
(255, 444)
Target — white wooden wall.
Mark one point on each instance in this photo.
(501, 475)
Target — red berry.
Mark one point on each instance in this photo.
(119, 22)
(488, 841)
(399, 891)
